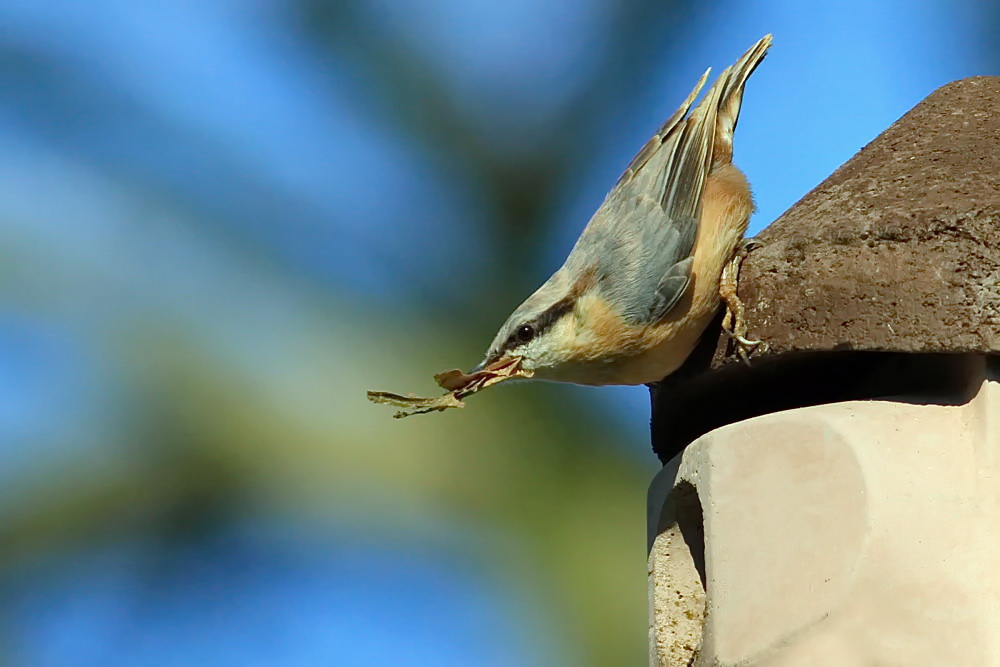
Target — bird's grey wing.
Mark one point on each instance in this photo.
(640, 242)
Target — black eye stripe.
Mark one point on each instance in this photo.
(541, 323)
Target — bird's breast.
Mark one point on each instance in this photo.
(606, 350)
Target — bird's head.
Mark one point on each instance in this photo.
(541, 333)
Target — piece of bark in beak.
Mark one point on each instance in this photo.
(483, 376)
(459, 385)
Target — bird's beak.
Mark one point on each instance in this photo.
(493, 363)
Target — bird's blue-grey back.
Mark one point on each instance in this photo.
(639, 244)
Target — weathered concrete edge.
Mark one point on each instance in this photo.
(899, 249)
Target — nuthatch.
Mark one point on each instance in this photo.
(645, 277)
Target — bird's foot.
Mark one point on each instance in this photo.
(734, 322)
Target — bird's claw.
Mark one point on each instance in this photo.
(746, 347)
(734, 323)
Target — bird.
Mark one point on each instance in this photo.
(648, 273)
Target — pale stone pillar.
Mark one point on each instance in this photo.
(851, 534)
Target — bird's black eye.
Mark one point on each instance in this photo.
(524, 333)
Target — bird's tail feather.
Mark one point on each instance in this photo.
(674, 163)
(706, 138)
(732, 82)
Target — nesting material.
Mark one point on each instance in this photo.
(458, 384)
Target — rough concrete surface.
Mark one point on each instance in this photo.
(899, 249)
(676, 588)
(850, 534)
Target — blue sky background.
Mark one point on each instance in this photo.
(220, 224)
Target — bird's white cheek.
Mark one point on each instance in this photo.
(530, 357)
(552, 352)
